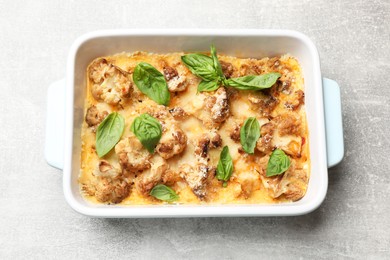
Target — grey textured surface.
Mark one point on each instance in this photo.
(353, 38)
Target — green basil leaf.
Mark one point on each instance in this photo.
(216, 63)
(148, 131)
(225, 166)
(208, 85)
(249, 134)
(163, 192)
(152, 83)
(108, 133)
(254, 82)
(278, 163)
(200, 65)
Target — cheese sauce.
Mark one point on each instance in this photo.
(281, 108)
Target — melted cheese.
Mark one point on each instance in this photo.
(246, 184)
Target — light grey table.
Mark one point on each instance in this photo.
(353, 39)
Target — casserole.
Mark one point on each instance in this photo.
(193, 128)
(252, 43)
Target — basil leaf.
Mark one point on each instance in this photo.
(163, 192)
(249, 134)
(200, 65)
(278, 163)
(254, 82)
(152, 83)
(148, 131)
(108, 133)
(208, 85)
(225, 166)
(216, 63)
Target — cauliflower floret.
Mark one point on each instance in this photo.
(158, 173)
(172, 142)
(289, 125)
(111, 84)
(173, 139)
(133, 157)
(109, 190)
(212, 108)
(176, 81)
(207, 141)
(265, 144)
(283, 132)
(105, 169)
(227, 69)
(218, 106)
(94, 117)
(296, 101)
(215, 108)
(171, 177)
(291, 184)
(150, 178)
(197, 177)
(235, 132)
(109, 185)
(178, 112)
(263, 103)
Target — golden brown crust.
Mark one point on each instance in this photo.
(195, 127)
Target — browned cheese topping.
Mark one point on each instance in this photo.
(195, 126)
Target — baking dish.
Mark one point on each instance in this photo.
(66, 100)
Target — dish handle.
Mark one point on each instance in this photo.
(55, 124)
(333, 122)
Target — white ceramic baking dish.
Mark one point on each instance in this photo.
(66, 100)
